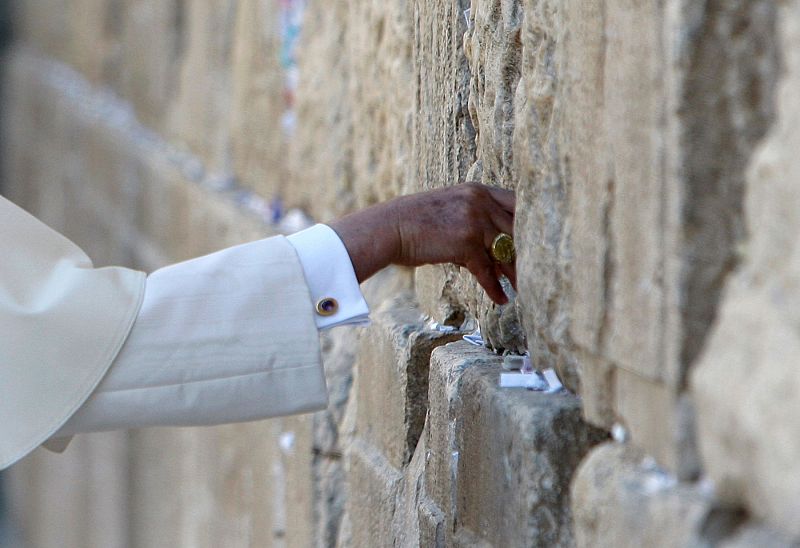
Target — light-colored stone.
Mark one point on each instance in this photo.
(259, 139)
(621, 498)
(201, 110)
(154, 41)
(522, 498)
(746, 388)
(374, 488)
(392, 378)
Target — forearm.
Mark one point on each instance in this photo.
(371, 237)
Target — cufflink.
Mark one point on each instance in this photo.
(327, 306)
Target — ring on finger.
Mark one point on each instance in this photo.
(502, 248)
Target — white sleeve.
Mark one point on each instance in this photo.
(330, 277)
(192, 356)
(229, 337)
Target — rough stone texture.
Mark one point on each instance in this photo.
(392, 379)
(650, 237)
(357, 130)
(386, 417)
(456, 492)
(619, 280)
(745, 385)
(621, 498)
(258, 138)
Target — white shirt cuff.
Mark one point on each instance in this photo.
(331, 280)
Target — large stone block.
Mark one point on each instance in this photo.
(200, 114)
(78, 499)
(392, 378)
(444, 140)
(260, 98)
(153, 43)
(381, 38)
(542, 191)
(324, 114)
(374, 487)
(522, 497)
(623, 242)
(621, 498)
(745, 386)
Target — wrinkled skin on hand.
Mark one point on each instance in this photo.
(451, 225)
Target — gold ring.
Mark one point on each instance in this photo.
(503, 248)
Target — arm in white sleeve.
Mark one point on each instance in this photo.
(330, 275)
(214, 342)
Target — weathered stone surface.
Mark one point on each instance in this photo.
(321, 150)
(444, 141)
(392, 378)
(746, 388)
(621, 498)
(762, 537)
(258, 136)
(518, 500)
(374, 490)
(201, 109)
(153, 44)
(626, 127)
(75, 500)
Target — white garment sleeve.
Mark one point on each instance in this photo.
(330, 275)
(197, 353)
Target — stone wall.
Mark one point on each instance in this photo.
(650, 143)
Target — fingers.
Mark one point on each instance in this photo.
(484, 270)
(510, 272)
(506, 198)
(503, 220)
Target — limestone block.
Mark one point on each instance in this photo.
(633, 115)
(493, 47)
(96, 30)
(228, 485)
(522, 498)
(745, 384)
(542, 191)
(381, 37)
(418, 521)
(598, 381)
(259, 99)
(590, 172)
(199, 117)
(444, 134)
(320, 153)
(358, 130)
(153, 43)
(330, 434)
(479, 127)
(374, 487)
(755, 535)
(727, 104)
(84, 33)
(621, 498)
(392, 378)
(43, 25)
(77, 499)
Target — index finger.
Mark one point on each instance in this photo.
(506, 198)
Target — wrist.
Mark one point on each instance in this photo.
(371, 237)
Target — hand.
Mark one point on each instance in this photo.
(451, 225)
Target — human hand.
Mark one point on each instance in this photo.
(451, 225)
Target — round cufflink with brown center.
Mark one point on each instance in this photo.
(327, 306)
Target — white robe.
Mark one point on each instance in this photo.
(63, 322)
